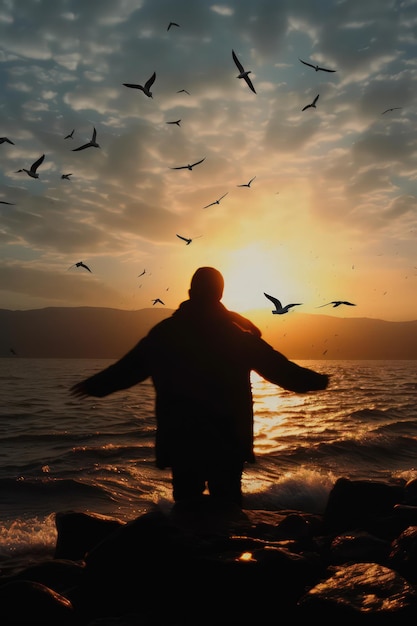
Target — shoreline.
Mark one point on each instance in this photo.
(356, 561)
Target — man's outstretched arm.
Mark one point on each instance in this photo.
(277, 369)
(126, 372)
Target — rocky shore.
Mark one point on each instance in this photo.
(205, 564)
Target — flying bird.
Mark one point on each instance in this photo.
(145, 88)
(144, 272)
(187, 240)
(336, 303)
(313, 104)
(156, 300)
(216, 201)
(392, 109)
(70, 135)
(242, 72)
(92, 143)
(188, 167)
(6, 140)
(247, 184)
(5, 202)
(183, 91)
(177, 122)
(81, 264)
(279, 309)
(32, 172)
(316, 67)
(66, 176)
(172, 24)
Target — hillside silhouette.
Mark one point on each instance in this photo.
(106, 333)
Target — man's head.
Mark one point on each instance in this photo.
(207, 285)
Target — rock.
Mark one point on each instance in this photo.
(209, 564)
(360, 593)
(29, 602)
(79, 532)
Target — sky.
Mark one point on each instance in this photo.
(331, 209)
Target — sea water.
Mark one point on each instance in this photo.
(58, 453)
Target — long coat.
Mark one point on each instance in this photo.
(200, 361)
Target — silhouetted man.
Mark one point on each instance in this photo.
(200, 360)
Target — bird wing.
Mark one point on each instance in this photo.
(277, 303)
(249, 82)
(207, 205)
(307, 106)
(93, 139)
(305, 63)
(150, 81)
(238, 63)
(36, 164)
(180, 167)
(221, 197)
(133, 85)
(85, 266)
(183, 238)
(86, 145)
(324, 69)
(198, 162)
(315, 99)
(251, 180)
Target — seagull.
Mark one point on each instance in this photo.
(336, 303)
(172, 24)
(392, 109)
(279, 309)
(144, 272)
(66, 176)
(216, 201)
(7, 140)
(189, 167)
(316, 67)
(247, 184)
(242, 73)
(156, 300)
(183, 91)
(92, 143)
(5, 202)
(32, 172)
(70, 136)
(177, 122)
(146, 88)
(313, 104)
(80, 264)
(188, 240)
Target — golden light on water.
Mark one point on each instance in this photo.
(246, 556)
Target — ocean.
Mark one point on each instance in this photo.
(58, 453)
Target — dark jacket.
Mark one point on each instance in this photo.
(200, 363)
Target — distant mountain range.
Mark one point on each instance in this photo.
(105, 333)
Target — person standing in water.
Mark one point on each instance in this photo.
(200, 360)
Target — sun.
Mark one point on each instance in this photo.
(253, 270)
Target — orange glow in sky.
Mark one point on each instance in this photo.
(331, 209)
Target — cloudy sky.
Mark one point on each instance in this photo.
(330, 214)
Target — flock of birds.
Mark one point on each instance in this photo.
(243, 74)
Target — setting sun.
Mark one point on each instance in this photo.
(252, 271)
